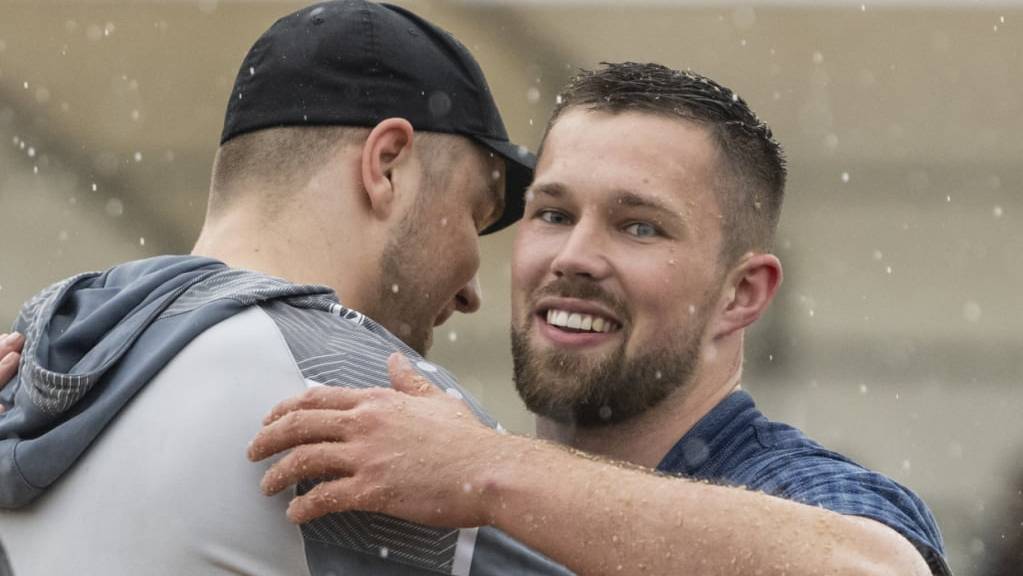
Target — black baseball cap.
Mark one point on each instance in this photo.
(356, 63)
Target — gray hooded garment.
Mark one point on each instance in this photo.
(94, 343)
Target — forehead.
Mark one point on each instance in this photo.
(590, 152)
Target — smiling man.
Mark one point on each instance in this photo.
(643, 256)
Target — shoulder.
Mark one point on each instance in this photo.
(790, 465)
(336, 346)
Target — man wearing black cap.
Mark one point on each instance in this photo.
(361, 157)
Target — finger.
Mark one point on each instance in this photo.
(320, 397)
(405, 379)
(308, 462)
(324, 498)
(8, 368)
(12, 342)
(302, 427)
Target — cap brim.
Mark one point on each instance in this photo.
(519, 164)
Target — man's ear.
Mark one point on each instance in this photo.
(749, 288)
(388, 146)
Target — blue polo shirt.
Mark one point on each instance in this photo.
(735, 444)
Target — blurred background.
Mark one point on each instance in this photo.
(898, 336)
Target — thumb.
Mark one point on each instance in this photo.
(405, 379)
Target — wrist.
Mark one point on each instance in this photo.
(510, 466)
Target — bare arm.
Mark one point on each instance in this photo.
(418, 454)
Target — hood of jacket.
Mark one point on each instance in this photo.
(92, 342)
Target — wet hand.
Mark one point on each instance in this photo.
(10, 356)
(412, 451)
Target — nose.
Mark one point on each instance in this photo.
(469, 298)
(582, 253)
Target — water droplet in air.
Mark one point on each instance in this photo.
(533, 95)
(906, 465)
(818, 57)
(142, 241)
(31, 152)
(384, 552)
(93, 186)
(114, 207)
(558, 99)
(439, 103)
(863, 389)
(845, 177)
(972, 311)
(888, 269)
(252, 70)
(997, 212)
(878, 255)
(453, 336)
(394, 288)
(135, 115)
(138, 156)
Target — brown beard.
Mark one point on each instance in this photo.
(573, 390)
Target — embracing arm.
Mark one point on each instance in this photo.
(418, 454)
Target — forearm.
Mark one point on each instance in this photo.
(600, 518)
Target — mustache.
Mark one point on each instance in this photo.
(566, 287)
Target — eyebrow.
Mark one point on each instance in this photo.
(552, 189)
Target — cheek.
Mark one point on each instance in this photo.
(664, 294)
(527, 268)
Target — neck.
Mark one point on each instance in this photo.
(645, 439)
(301, 246)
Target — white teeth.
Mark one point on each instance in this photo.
(579, 321)
(561, 319)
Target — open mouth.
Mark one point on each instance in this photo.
(579, 322)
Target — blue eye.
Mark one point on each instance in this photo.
(552, 217)
(641, 230)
